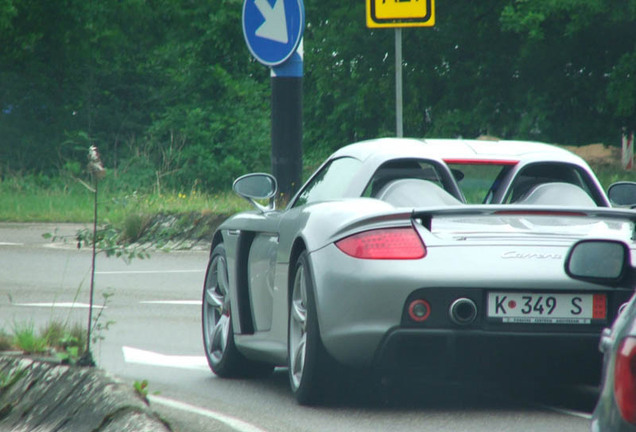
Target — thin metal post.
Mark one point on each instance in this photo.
(398, 83)
(88, 355)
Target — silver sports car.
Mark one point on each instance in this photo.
(439, 258)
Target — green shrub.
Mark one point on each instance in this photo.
(134, 227)
(26, 339)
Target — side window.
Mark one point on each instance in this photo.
(536, 174)
(330, 183)
(402, 169)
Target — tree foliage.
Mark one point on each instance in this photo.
(170, 94)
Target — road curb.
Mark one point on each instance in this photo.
(48, 396)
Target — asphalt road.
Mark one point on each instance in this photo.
(153, 307)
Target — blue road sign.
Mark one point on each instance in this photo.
(273, 29)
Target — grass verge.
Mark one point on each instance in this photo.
(136, 216)
(148, 217)
(74, 203)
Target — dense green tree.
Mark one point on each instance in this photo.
(349, 76)
(158, 85)
(7, 12)
(550, 70)
(578, 56)
(169, 92)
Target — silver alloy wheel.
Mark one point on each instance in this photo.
(298, 328)
(216, 310)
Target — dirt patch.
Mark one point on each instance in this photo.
(598, 154)
(181, 231)
(593, 154)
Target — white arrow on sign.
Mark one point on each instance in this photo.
(275, 25)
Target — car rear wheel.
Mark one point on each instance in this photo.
(308, 368)
(218, 337)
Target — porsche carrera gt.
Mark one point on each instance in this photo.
(442, 259)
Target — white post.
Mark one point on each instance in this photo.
(628, 150)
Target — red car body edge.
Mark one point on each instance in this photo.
(625, 379)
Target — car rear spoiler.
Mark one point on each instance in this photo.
(620, 214)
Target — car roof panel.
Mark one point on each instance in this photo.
(456, 149)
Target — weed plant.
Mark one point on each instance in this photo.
(66, 341)
(27, 340)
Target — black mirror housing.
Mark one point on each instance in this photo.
(622, 194)
(598, 261)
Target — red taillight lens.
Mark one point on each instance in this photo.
(625, 379)
(390, 243)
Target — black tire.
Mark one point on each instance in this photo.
(308, 362)
(218, 337)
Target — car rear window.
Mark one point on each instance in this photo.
(400, 169)
(478, 180)
(541, 173)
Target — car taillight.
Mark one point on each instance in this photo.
(625, 379)
(389, 243)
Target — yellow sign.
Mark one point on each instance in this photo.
(400, 13)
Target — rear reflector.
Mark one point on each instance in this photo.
(419, 310)
(390, 243)
(625, 379)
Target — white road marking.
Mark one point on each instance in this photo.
(233, 422)
(11, 244)
(56, 245)
(115, 272)
(569, 412)
(138, 356)
(174, 302)
(61, 305)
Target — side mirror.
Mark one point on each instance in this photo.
(622, 193)
(599, 261)
(257, 186)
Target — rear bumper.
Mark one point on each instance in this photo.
(447, 355)
(362, 310)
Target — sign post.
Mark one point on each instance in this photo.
(398, 14)
(399, 118)
(273, 31)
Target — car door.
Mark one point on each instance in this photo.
(260, 253)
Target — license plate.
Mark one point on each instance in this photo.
(546, 308)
